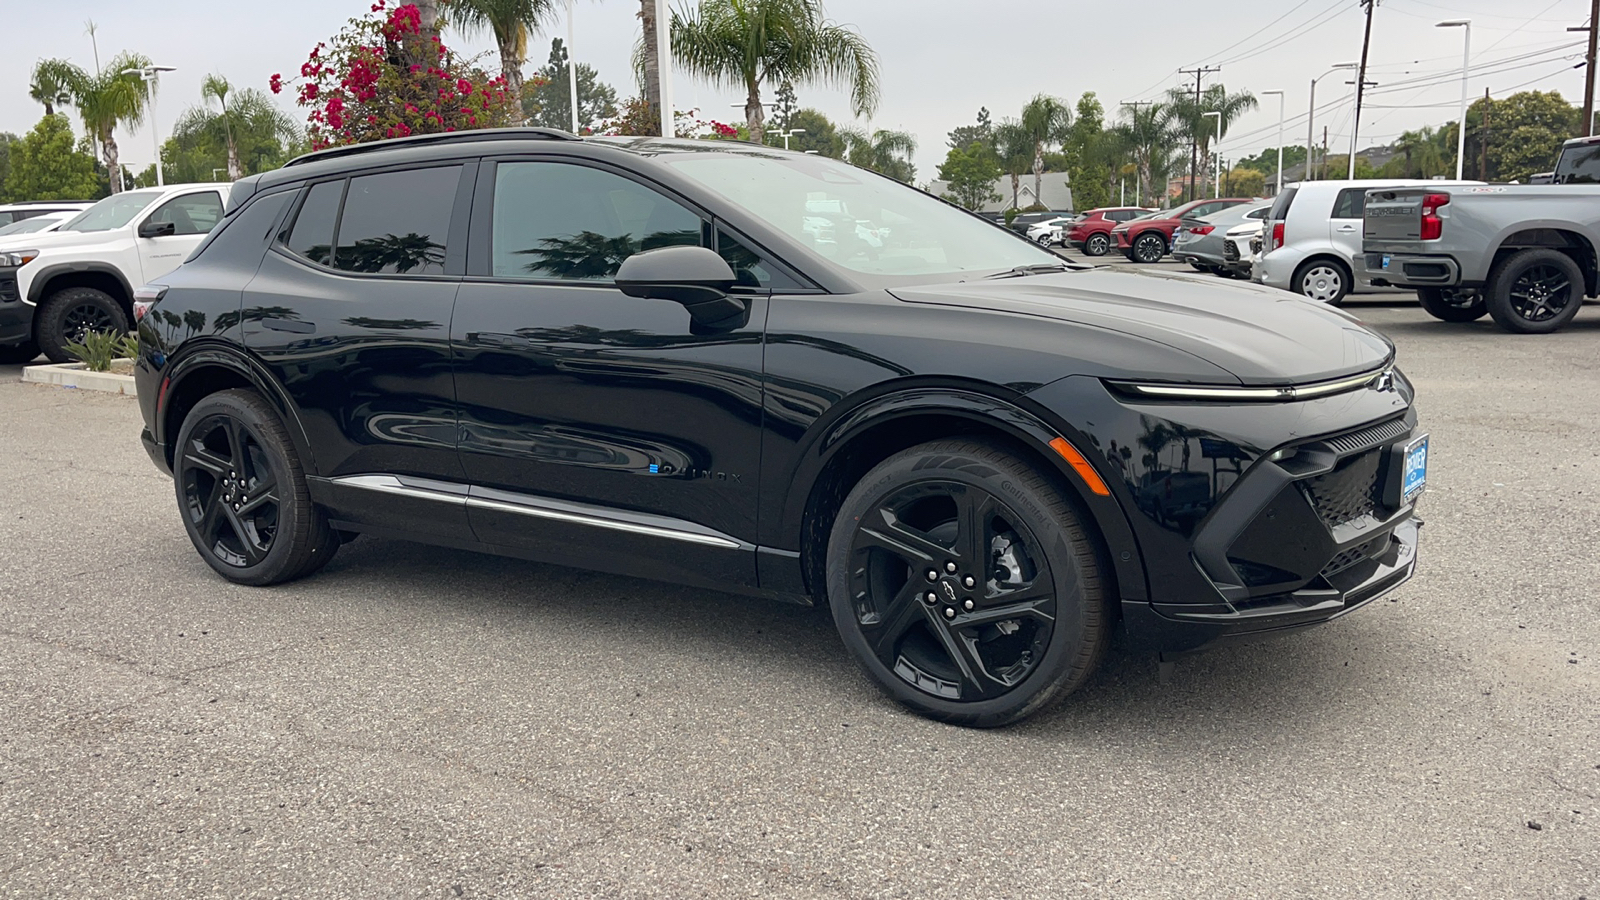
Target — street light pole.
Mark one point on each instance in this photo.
(1311, 117)
(1466, 56)
(1216, 182)
(1279, 188)
(151, 76)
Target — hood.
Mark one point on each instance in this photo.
(1261, 336)
(49, 239)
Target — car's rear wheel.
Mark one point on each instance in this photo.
(1324, 281)
(243, 493)
(1149, 247)
(1535, 291)
(965, 584)
(1199, 266)
(1453, 304)
(1097, 245)
(70, 314)
(13, 354)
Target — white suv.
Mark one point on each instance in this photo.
(1312, 236)
(56, 287)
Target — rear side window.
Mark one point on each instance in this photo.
(1351, 203)
(395, 223)
(1579, 164)
(312, 234)
(1256, 213)
(191, 213)
(1280, 207)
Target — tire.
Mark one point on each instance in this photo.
(978, 666)
(1535, 291)
(1199, 266)
(68, 314)
(234, 451)
(1453, 304)
(1148, 248)
(16, 354)
(1323, 280)
(1097, 245)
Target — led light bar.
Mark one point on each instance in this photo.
(1250, 394)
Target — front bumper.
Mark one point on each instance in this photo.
(16, 317)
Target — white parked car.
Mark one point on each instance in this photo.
(1312, 236)
(1241, 246)
(56, 287)
(1051, 232)
(38, 224)
(11, 213)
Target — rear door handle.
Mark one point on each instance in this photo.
(294, 326)
(498, 339)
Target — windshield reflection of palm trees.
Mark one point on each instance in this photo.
(392, 254)
(591, 256)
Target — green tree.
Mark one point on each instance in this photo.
(46, 165)
(1013, 148)
(885, 152)
(250, 130)
(510, 21)
(1089, 153)
(1147, 132)
(1266, 162)
(820, 134)
(1242, 182)
(107, 100)
(549, 103)
(748, 43)
(980, 133)
(1190, 123)
(51, 84)
(1524, 133)
(1046, 120)
(6, 140)
(971, 173)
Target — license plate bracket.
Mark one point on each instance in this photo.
(1408, 472)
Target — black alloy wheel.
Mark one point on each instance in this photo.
(1453, 304)
(965, 585)
(1149, 247)
(69, 315)
(243, 495)
(1535, 291)
(1097, 245)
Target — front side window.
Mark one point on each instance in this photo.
(554, 220)
(191, 213)
(1352, 203)
(396, 223)
(1579, 164)
(750, 268)
(113, 212)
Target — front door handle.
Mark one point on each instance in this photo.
(294, 326)
(1347, 228)
(498, 339)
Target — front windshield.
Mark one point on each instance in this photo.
(112, 212)
(29, 226)
(861, 220)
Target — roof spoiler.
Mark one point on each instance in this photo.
(429, 140)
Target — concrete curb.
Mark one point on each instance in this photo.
(74, 375)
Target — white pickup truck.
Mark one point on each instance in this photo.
(56, 287)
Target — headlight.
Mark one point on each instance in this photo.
(14, 258)
(1237, 394)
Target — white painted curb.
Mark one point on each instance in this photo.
(74, 375)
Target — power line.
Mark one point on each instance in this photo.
(1294, 9)
(1316, 21)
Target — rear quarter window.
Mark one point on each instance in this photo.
(1280, 207)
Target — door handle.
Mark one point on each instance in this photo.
(498, 339)
(1347, 228)
(294, 326)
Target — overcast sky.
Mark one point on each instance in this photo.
(941, 59)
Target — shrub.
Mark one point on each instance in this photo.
(99, 348)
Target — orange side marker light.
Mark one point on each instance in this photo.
(1081, 466)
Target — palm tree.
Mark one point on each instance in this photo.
(510, 21)
(1148, 134)
(1014, 148)
(1190, 122)
(1046, 120)
(249, 125)
(649, 60)
(49, 84)
(746, 43)
(105, 100)
(885, 152)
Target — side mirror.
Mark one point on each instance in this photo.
(695, 277)
(151, 229)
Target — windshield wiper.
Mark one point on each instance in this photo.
(1035, 269)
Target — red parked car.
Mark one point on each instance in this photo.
(1147, 240)
(1091, 232)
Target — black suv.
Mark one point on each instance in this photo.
(776, 374)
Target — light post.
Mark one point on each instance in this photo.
(1311, 116)
(1355, 124)
(1216, 182)
(791, 132)
(572, 70)
(1279, 188)
(151, 76)
(664, 65)
(1466, 55)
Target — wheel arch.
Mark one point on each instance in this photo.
(100, 276)
(217, 366)
(1551, 236)
(852, 443)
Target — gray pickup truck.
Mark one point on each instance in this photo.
(1523, 254)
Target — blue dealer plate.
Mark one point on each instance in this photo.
(1416, 468)
(1386, 265)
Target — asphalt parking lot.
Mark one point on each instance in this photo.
(421, 722)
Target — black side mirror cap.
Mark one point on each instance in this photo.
(695, 277)
(157, 229)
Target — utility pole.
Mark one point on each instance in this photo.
(1587, 128)
(1324, 169)
(1361, 83)
(1194, 145)
(1483, 148)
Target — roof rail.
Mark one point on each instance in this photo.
(428, 140)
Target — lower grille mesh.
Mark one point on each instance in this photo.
(1347, 493)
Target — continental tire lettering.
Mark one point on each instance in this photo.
(1017, 493)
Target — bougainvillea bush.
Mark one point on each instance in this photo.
(382, 77)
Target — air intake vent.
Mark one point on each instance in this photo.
(1368, 437)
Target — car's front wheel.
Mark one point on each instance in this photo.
(1097, 245)
(1453, 304)
(965, 584)
(70, 314)
(1149, 247)
(243, 493)
(1535, 291)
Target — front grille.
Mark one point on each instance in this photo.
(1381, 433)
(8, 289)
(1348, 492)
(1230, 250)
(1255, 245)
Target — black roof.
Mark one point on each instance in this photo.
(429, 140)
